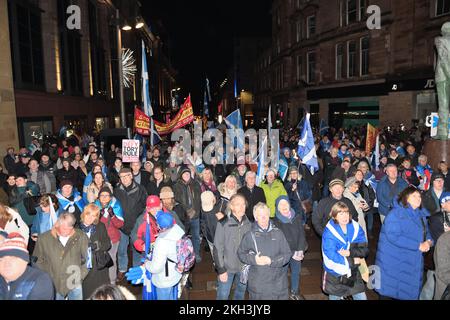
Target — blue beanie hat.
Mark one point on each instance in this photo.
(445, 197)
(165, 220)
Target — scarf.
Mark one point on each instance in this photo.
(68, 204)
(88, 230)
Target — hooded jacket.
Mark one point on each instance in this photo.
(188, 195)
(292, 228)
(269, 282)
(272, 192)
(17, 197)
(398, 256)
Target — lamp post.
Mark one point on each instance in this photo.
(123, 122)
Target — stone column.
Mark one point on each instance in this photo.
(8, 119)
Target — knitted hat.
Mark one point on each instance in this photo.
(207, 201)
(14, 246)
(153, 202)
(65, 182)
(165, 220)
(184, 169)
(445, 197)
(166, 193)
(335, 182)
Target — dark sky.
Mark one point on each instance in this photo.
(201, 33)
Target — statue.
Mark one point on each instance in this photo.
(442, 79)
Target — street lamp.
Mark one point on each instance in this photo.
(126, 26)
(139, 23)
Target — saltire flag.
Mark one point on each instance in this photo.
(147, 106)
(234, 122)
(306, 148)
(323, 127)
(154, 136)
(282, 168)
(370, 138)
(275, 165)
(53, 216)
(207, 99)
(261, 162)
(148, 290)
(376, 154)
(301, 124)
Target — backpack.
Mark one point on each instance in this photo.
(185, 256)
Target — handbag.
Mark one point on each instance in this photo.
(246, 267)
(31, 203)
(103, 259)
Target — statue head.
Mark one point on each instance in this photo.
(445, 30)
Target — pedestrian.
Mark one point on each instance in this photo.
(141, 177)
(171, 206)
(228, 236)
(132, 198)
(265, 248)
(227, 189)
(408, 173)
(90, 178)
(99, 246)
(94, 188)
(388, 189)
(153, 207)
(290, 223)
(62, 251)
(207, 182)
(321, 214)
(403, 239)
(67, 172)
(431, 197)
(38, 176)
(252, 193)
(18, 280)
(344, 245)
(11, 160)
(187, 194)
(12, 222)
(352, 186)
(112, 217)
(273, 188)
(331, 162)
(69, 199)
(49, 168)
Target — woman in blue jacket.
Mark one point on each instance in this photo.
(403, 239)
(43, 220)
(344, 244)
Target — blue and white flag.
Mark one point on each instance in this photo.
(306, 148)
(323, 127)
(282, 168)
(376, 155)
(272, 139)
(261, 162)
(147, 106)
(53, 215)
(234, 122)
(207, 99)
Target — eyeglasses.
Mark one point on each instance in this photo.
(125, 176)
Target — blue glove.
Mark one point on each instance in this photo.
(136, 274)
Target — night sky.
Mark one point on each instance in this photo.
(200, 36)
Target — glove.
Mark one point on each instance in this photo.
(110, 212)
(136, 274)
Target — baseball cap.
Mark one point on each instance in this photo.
(153, 202)
(165, 220)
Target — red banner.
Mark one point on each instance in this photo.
(141, 123)
(183, 118)
(371, 138)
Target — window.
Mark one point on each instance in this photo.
(97, 53)
(311, 22)
(364, 56)
(442, 7)
(26, 46)
(362, 9)
(299, 69)
(298, 30)
(351, 62)
(351, 11)
(339, 61)
(70, 44)
(311, 57)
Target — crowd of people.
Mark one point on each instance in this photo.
(72, 214)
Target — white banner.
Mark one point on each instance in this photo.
(130, 150)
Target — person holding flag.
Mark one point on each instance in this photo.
(46, 215)
(306, 147)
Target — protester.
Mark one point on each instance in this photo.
(67, 172)
(209, 218)
(44, 219)
(12, 222)
(10, 160)
(424, 171)
(18, 280)
(22, 198)
(228, 236)
(132, 198)
(62, 251)
(300, 194)
(187, 193)
(321, 214)
(431, 197)
(227, 189)
(99, 245)
(94, 188)
(69, 199)
(408, 173)
(344, 244)
(442, 260)
(39, 177)
(113, 172)
(403, 239)
(139, 176)
(49, 168)
(153, 206)
(388, 189)
(352, 193)
(272, 188)
(291, 224)
(252, 193)
(175, 209)
(207, 182)
(267, 252)
(331, 162)
(158, 181)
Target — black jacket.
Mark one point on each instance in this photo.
(154, 189)
(314, 180)
(63, 174)
(321, 215)
(10, 164)
(33, 284)
(447, 181)
(145, 180)
(208, 223)
(133, 201)
(329, 165)
(183, 192)
(218, 172)
(253, 198)
(113, 176)
(339, 173)
(294, 233)
(429, 203)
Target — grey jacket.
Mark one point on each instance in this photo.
(42, 180)
(266, 282)
(229, 233)
(442, 262)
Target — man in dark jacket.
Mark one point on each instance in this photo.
(209, 218)
(252, 193)
(321, 214)
(132, 198)
(430, 199)
(331, 162)
(298, 191)
(218, 170)
(443, 168)
(187, 193)
(228, 236)
(10, 160)
(38, 176)
(47, 166)
(343, 172)
(139, 176)
(18, 281)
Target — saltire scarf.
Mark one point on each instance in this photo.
(66, 204)
(89, 230)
